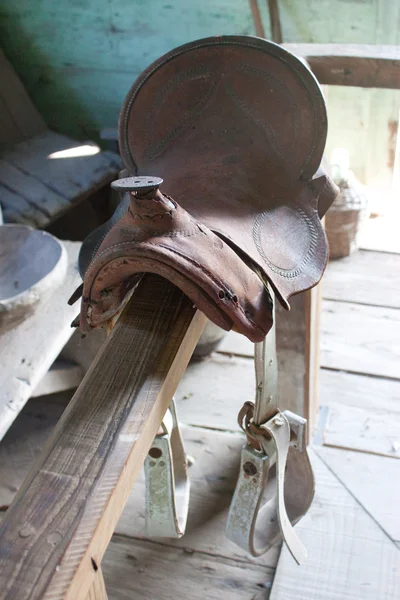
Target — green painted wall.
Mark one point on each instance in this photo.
(78, 58)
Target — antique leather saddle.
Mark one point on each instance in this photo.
(236, 128)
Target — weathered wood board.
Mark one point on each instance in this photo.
(37, 185)
(142, 569)
(25, 439)
(212, 391)
(365, 278)
(87, 469)
(349, 556)
(362, 430)
(377, 395)
(373, 480)
(361, 339)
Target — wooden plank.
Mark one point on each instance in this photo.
(28, 350)
(61, 376)
(142, 569)
(373, 480)
(361, 339)
(25, 439)
(360, 65)
(349, 556)
(98, 589)
(212, 391)
(32, 190)
(213, 476)
(358, 429)
(18, 210)
(376, 395)
(20, 120)
(275, 21)
(364, 277)
(71, 177)
(85, 473)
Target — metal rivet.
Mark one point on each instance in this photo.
(54, 538)
(279, 421)
(250, 468)
(155, 452)
(26, 531)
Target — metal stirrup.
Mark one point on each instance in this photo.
(257, 517)
(167, 483)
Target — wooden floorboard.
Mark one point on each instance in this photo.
(25, 439)
(362, 430)
(138, 569)
(361, 339)
(213, 391)
(349, 556)
(364, 277)
(377, 395)
(373, 480)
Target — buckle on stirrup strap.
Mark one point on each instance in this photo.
(167, 483)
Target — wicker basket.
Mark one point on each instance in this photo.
(345, 218)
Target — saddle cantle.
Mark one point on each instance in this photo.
(236, 126)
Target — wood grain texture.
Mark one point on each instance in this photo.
(25, 440)
(28, 350)
(212, 391)
(364, 277)
(142, 569)
(371, 66)
(349, 556)
(361, 339)
(379, 396)
(85, 473)
(19, 118)
(98, 588)
(359, 429)
(49, 185)
(373, 480)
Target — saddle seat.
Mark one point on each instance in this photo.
(236, 127)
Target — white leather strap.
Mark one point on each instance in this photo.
(167, 483)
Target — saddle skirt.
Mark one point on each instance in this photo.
(236, 126)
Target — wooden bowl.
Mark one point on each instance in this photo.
(32, 263)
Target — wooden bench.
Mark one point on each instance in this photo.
(43, 174)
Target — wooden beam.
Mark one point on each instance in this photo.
(56, 530)
(352, 64)
(276, 29)
(98, 589)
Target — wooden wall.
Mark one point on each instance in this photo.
(78, 58)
